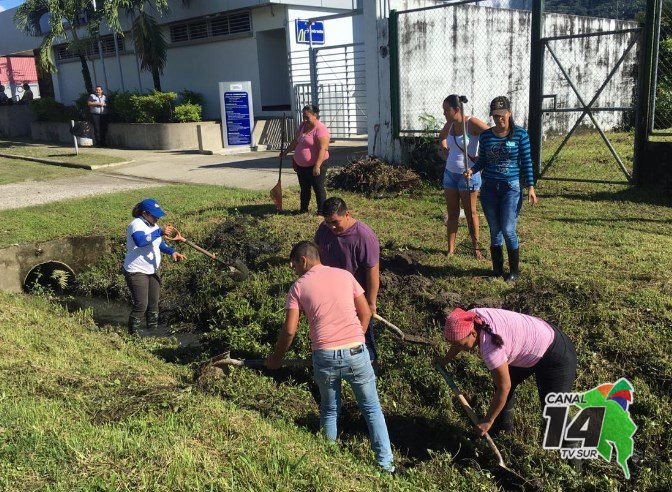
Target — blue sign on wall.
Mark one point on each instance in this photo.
(316, 29)
(238, 124)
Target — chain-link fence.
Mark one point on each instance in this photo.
(464, 49)
(662, 107)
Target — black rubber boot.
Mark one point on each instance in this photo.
(497, 256)
(133, 325)
(514, 260)
(152, 320)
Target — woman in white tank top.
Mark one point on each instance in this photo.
(455, 189)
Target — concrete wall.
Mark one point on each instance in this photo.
(15, 121)
(76, 252)
(438, 57)
(154, 136)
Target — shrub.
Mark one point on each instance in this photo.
(374, 176)
(185, 113)
(155, 107)
(121, 107)
(48, 109)
(191, 97)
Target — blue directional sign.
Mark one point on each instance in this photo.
(238, 123)
(316, 30)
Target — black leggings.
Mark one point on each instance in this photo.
(554, 373)
(145, 293)
(308, 181)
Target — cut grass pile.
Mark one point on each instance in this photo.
(57, 152)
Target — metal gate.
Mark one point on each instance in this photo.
(334, 79)
(616, 111)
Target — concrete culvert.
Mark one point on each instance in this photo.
(54, 275)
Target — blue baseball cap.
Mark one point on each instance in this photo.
(152, 207)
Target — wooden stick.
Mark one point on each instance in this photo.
(470, 412)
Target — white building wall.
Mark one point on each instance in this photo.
(340, 97)
(198, 67)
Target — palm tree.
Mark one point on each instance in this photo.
(63, 19)
(150, 43)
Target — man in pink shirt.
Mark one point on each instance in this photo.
(338, 315)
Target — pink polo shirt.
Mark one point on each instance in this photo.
(526, 338)
(327, 295)
(308, 147)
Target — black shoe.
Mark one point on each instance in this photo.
(514, 261)
(497, 256)
(152, 320)
(133, 325)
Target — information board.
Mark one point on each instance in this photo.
(237, 115)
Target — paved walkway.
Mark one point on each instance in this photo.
(252, 171)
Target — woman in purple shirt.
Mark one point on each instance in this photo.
(514, 347)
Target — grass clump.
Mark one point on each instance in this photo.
(373, 177)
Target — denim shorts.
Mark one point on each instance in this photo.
(457, 181)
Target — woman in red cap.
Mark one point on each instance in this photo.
(514, 347)
(144, 245)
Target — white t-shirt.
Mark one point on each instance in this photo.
(145, 259)
(455, 158)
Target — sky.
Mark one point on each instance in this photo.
(8, 4)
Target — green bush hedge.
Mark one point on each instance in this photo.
(48, 109)
(185, 113)
(126, 107)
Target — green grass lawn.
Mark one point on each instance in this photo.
(84, 409)
(16, 171)
(57, 152)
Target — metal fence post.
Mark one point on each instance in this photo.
(535, 124)
(643, 113)
(393, 49)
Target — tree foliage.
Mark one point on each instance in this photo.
(63, 20)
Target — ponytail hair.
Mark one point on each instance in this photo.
(136, 212)
(452, 101)
(482, 326)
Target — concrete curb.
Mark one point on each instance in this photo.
(54, 162)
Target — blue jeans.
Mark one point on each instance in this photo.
(501, 202)
(353, 365)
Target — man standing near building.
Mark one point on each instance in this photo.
(27, 94)
(98, 106)
(3, 97)
(338, 315)
(352, 245)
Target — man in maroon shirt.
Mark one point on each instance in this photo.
(350, 244)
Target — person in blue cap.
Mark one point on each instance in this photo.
(144, 245)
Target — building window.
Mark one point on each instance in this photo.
(212, 27)
(63, 53)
